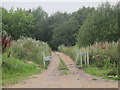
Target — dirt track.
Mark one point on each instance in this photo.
(76, 78)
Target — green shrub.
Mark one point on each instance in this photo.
(108, 56)
(103, 60)
(28, 49)
(70, 51)
(101, 57)
(113, 71)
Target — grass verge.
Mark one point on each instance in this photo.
(14, 70)
(99, 72)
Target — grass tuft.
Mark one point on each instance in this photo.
(94, 79)
(99, 72)
(64, 73)
(62, 65)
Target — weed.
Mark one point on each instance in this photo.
(62, 65)
(94, 79)
(64, 73)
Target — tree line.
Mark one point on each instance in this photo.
(83, 27)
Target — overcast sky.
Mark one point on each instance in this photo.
(51, 6)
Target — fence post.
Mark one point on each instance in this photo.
(77, 57)
(43, 58)
(87, 58)
(81, 59)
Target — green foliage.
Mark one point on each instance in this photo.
(65, 32)
(41, 29)
(62, 28)
(113, 71)
(99, 26)
(14, 69)
(100, 58)
(55, 22)
(17, 22)
(12, 65)
(58, 18)
(107, 57)
(62, 65)
(94, 79)
(119, 57)
(82, 14)
(28, 49)
(104, 72)
(70, 51)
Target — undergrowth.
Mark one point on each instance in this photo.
(14, 70)
(104, 57)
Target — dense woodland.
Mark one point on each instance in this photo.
(90, 29)
(84, 27)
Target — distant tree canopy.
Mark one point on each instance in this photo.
(65, 32)
(82, 14)
(40, 30)
(102, 25)
(55, 21)
(84, 27)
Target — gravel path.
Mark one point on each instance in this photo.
(51, 78)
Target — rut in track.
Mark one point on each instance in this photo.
(51, 78)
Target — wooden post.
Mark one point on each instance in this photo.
(77, 58)
(87, 58)
(81, 59)
(43, 58)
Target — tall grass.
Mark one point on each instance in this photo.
(28, 49)
(102, 55)
(70, 51)
(14, 59)
(107, 56)
(13, 69)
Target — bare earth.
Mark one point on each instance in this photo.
(51, 78)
